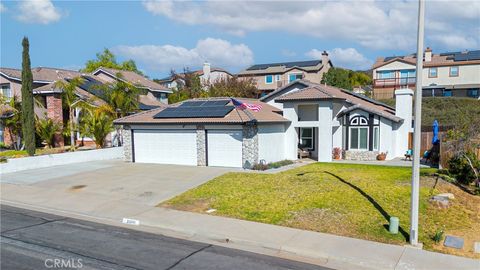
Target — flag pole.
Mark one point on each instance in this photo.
(417, 127)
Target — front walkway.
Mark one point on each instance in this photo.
(323, 249)
(393, 162)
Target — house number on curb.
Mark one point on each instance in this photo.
(130, 221)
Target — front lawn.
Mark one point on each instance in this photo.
(342, 199)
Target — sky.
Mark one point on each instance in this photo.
(165, 35)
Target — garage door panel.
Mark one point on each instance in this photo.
(224, 148)
(165, 146)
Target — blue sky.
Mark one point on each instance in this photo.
(160, 35)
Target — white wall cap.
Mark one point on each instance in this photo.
(405, 91)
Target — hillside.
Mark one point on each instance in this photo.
(447, 110)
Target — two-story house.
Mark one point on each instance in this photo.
(208, 75)
(49, 97)
(445, 74)
(269, 77)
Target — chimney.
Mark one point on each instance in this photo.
(428, 54)
(324, 58)
(206, 70)
(403, 109)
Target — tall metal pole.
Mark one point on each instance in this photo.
(417, 127)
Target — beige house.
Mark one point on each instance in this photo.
(269, 77)
(444, 74)
(49, 97)
(208, 75)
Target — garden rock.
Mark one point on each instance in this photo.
(450, 196)
(440, 201)
(453, 241)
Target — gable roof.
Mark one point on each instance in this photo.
(442, 59)
(41, 74)
(134, 78)
(314, 91)
(282, 89)
(196, 72)
(268, 114)
(272, 68)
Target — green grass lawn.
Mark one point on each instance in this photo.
(343, 199)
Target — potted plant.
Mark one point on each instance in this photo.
(337, 153)
(382, 156)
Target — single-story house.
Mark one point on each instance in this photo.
(302, 114)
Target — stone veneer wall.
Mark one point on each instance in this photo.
(127, 144)
(250, 145)
(201, 146)
(360, 155)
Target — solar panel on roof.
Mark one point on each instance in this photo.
(194, 112)
(467, 56)
(286, 64)
(201, 103)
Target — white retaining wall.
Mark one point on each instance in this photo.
(36, 162)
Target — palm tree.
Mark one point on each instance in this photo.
(12, 120)
(122, 99)
(47, 129)
(97, 123)
(70, 100)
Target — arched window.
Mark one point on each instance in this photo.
(358, 133)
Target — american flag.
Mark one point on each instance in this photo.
(242, 105)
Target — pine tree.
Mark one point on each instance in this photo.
(28, 117)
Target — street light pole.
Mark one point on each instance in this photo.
(417, 128)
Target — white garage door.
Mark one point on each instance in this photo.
(166, 146)
(224, 148)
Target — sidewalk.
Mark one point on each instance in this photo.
(323, 249)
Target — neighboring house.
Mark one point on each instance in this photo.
(154, 89)
(269, 77)
(49, 97)
(313, 117)
(445, 74)
(208, 75)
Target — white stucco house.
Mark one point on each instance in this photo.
(302, 114)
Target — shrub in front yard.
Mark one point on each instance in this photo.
(272, 165)
(460, 168)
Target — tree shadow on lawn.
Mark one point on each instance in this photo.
(374, 203)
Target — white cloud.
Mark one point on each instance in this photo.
(38, 11)
(347, 58)
(2, 8)
(372, 24)
(162, 58)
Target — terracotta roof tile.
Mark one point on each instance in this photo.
(266, 115)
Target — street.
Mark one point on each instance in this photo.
(34, 240)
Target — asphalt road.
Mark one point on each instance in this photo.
(34, 240)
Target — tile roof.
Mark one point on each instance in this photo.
(268, 114)
(442, 59)
(316, 91)
(43, 74)
(82, 93)
(134, 78)
(312, 65)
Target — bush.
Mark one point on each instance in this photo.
(3, 145)
(272, 165)
(438, 236)
(461, 170)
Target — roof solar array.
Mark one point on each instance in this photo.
(91, 85)
(467, 56)
(194, 112)
(286, 64)
(204, 103)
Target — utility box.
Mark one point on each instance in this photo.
(394, 223)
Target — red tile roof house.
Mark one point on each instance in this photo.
(302, 114)
(49, 96)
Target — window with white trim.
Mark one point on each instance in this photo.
(6, 90)
(268, 79)
(358, 133)
(295, 76)
(376, 138)
(278, 78)
(306, 138)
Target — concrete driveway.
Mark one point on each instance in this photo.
(147, 184)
